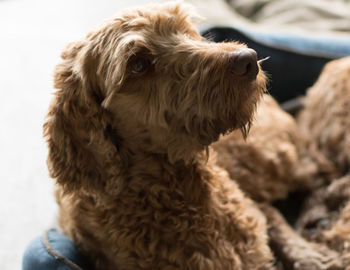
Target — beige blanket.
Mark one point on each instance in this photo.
(314, 15)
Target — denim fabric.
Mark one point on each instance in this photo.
(295, 60)
(37, 258)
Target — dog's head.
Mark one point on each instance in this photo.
(147, 81)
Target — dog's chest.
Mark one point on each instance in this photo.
(163, 231)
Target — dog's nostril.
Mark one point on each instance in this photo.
(244, 62)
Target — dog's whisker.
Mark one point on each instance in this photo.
(263, 60)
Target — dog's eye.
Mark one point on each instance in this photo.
(140, 65)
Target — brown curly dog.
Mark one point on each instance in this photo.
(139, 101)
(326, 216)
(320, 237)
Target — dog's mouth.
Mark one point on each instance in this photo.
(241, 101)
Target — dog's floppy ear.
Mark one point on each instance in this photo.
(81, 152)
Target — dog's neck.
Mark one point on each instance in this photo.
(145, 167)
(134, 142)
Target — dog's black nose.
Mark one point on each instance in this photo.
(244, 63)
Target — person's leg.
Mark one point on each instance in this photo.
(52, 251)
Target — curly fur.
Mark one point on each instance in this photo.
(326, 118)
(135, 185)
(271, 161)
(326, 121)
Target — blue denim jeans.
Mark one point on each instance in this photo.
(38, 257)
